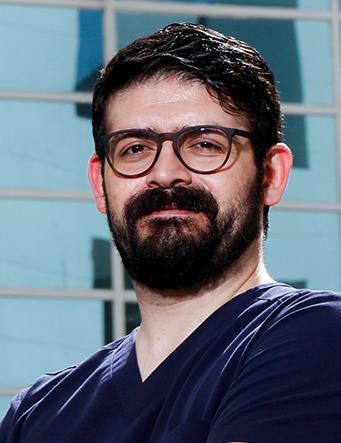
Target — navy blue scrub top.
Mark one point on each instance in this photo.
(263, 368)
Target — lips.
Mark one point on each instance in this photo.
(171, 212)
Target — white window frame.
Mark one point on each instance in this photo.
(118, 294)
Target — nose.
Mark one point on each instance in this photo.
(168, 171)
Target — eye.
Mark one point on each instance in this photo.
(207, 146)
(134, 150)
(205, 142)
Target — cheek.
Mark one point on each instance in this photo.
(119, 191)
(220, 186)
(229, 189)
(117, 198)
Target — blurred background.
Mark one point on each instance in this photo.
(63, 292)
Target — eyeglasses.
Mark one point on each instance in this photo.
(202, 149)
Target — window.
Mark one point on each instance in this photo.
(63, 291)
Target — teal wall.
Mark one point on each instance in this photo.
(45, 146)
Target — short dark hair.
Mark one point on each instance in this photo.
(232, 71)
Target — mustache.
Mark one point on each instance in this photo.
(193, 199)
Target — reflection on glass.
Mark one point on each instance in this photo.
(290, 47)
(90, 51)
(131, 26)
(108, 330)
(295, 134)
(304, 246)
(102, 279)
(49, 48)
(128, 284)
(50, 244)
(300, 284)
(133, 318)
(47, 335)
(101, 258)
(321, 5)
(44, 146)
(313, 142)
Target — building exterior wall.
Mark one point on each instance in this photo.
(63, 292)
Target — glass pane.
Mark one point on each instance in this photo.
(47, 335)
(133, 318)
(305, 247)
(108, 322)
(290, 48)
(44, 146)
(53, 245)
(313, 142)
(131, 26)
(128, 284)
(4, 405)
(49, 48)
(299, 4)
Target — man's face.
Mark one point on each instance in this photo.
(176, 229)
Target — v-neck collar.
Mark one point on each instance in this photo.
(135, 394)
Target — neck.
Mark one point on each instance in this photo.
(169, 317)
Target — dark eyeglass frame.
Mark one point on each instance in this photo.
(160, 138)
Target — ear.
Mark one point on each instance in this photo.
(96, 181)
(278, 164)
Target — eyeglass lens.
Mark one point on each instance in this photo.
(201, 149)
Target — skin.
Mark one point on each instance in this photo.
(166, 105)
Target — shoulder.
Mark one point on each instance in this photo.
(95, 363)
(278, 312)
(301, 319)
(288, 379)
(315, 310)
(287, 331)
(60, 385)
(286, 303)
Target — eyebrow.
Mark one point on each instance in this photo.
(176, 129)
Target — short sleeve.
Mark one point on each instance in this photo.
(288, 387)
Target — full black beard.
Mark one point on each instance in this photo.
(178, 253)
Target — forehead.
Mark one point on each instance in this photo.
(167, 104)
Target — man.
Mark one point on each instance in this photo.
(188, 160)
